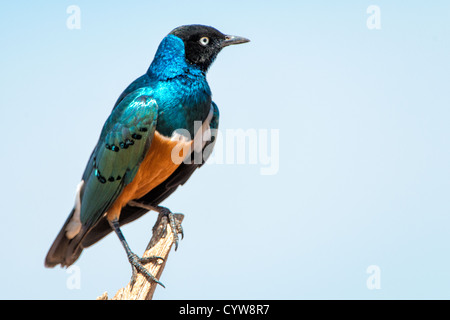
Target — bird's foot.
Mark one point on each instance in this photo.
(137, 265)
(175, 225)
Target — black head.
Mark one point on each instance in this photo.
(203, 43)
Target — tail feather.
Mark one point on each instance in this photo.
(65, 251)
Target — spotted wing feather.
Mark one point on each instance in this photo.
(123, 143)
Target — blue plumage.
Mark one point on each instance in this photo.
(180, 88)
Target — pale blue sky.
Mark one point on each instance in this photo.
(363, 119)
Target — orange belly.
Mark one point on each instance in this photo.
(156, 167)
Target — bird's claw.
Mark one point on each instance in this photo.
(175, 225)
(180, 229)
(137, 265)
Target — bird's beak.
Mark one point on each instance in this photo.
(229, 40)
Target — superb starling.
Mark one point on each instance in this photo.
(148, 145)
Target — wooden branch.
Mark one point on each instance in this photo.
(159, 245)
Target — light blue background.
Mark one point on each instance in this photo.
(363, 117)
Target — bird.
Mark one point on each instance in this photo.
(150, 144)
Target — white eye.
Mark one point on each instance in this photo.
(204, 41)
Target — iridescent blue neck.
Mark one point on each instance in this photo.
(170, 61)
